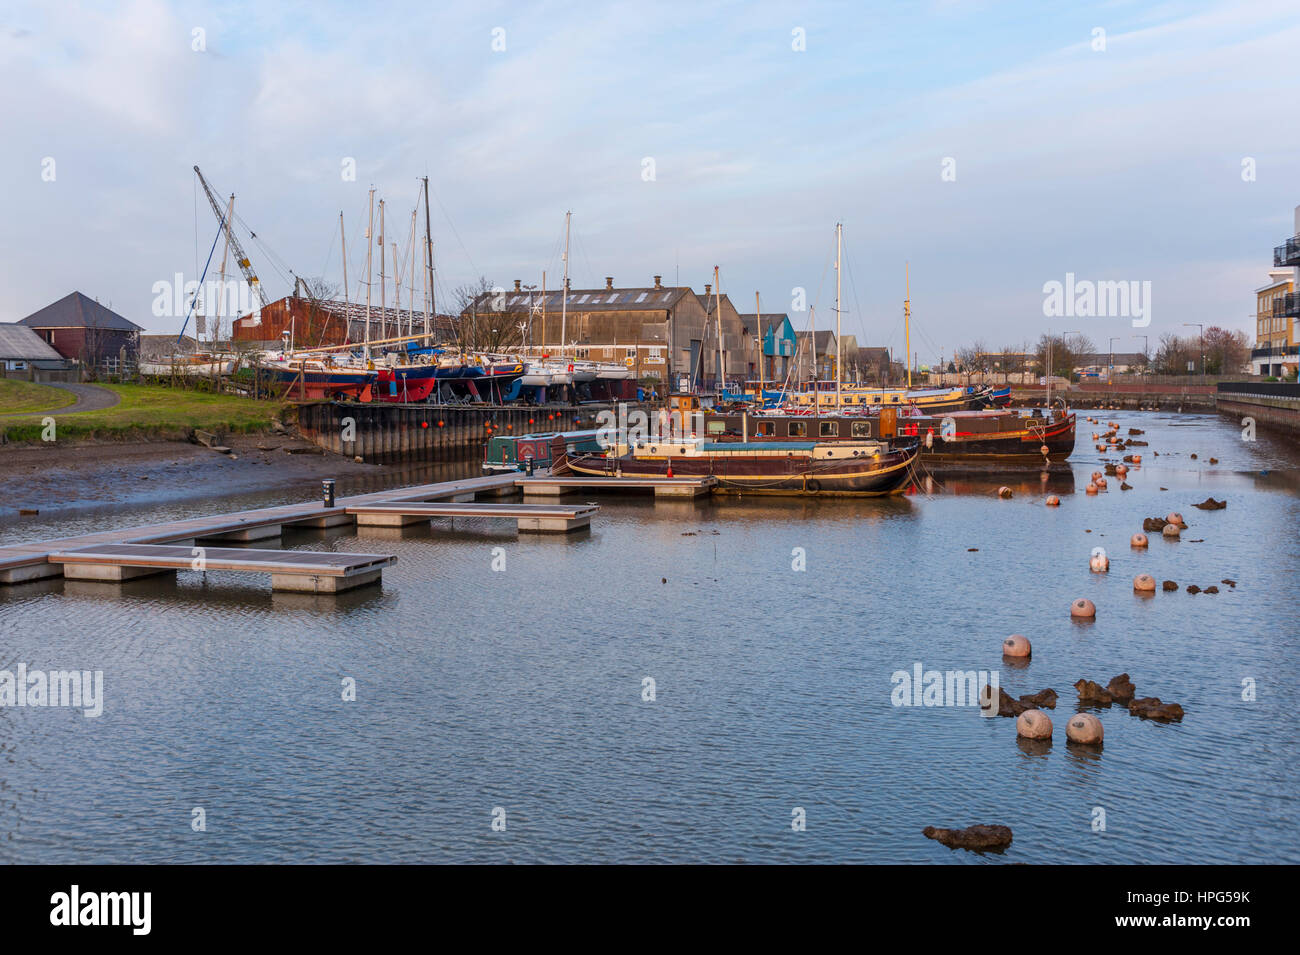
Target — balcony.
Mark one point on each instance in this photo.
(1274, 351)
(1287, 306)
(1288, 254)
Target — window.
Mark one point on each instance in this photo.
(655, 352)
(830, 429)
(861, 429)
(765, 429)
(798, 429)
(641, 298)
(716, 427)
(629, 353)
(612, 299)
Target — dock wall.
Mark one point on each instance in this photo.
(1271, 404)
(398, 434)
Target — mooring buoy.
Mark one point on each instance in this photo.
(1083, 608)
(1084, 728)
(1144, 584)
(1016, 645)
(1034, 724)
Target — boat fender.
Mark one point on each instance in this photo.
(929, 438)
(814, 485)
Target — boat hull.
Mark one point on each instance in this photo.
(775, 473)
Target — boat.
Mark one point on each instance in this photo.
(318, 378)
(823, 396)
(546, 449)
(838, 468)
(986, 437)
(194, 363)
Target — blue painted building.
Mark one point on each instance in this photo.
(779, 343)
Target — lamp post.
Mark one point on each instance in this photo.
(1201, 329)
(1110, 369)
(1145, 347)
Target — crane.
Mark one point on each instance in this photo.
(241, 258)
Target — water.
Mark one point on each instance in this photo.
(521, 689)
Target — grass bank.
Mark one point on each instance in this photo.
(151, 411)
(25, 397)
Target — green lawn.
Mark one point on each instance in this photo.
(154, 411)
(24, 397)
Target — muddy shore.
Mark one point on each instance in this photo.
(54, 477)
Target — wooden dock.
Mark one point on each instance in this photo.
(127, 553)
(541, 518)
(32, 560)
(572, 484)
(301, 571)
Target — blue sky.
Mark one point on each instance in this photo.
(1115, 164)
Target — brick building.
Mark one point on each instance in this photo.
(79, 328)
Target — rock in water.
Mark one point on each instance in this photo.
(1150, 708)
(1153, 523)
(976, 838)
(1169, 585)
(1210, 504)
(1121, 688)
(1090, 692)
(1043, 699)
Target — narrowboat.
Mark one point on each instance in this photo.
(512, 452)
(841, 468)
(997, 437)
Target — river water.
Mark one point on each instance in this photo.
(520, 693)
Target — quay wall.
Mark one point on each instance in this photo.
(1126, 397)
(383, 433)
(1271, 404)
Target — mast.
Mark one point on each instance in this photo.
(410, 250)
(758, 317)
(221, 295)
(907, 319)
(839, 249)
(542, 343)
(722, 357)
(564, 299)
(370, 244)
(344, 243)
(812, 320)
(383, 282)
(429, 304)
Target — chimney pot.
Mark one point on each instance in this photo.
(609, 282)
(517, 281)
(708, 289)
(659, 281)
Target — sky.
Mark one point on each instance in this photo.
(989, 148)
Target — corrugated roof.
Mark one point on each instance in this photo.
(18, 342)
(77, 311)
(584, 300)
(766, 320)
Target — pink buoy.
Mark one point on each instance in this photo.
(1101, 483)
(1175, 518)
(1090, 489)
(1016, 645)
(1084, 728)
(1004, 492)
(1082, 608)
(1034, 724)
(1172, 530)
(1144, 584)
(1099, 563)
(1121, 469)
(1053, 501)
(1138, 540)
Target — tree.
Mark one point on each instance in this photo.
(1226, 350)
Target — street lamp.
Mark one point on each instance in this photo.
(1110, 370)
(1201, 328)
